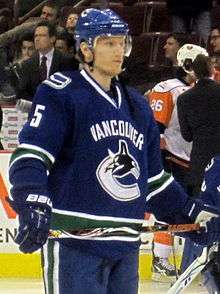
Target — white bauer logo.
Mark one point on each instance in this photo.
(117, 166)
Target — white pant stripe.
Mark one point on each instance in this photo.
(45, 269)
(56, 250)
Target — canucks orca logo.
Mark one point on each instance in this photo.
(117, 166)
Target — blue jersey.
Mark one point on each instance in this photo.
(96, 153)
(210, 189)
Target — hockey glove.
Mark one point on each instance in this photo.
(208, 217)
(34, 222)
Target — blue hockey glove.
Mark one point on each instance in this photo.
(209, 233)
(34, 222)
(209, 218)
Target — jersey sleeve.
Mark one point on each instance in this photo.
(47, 127)
(210, 189)
(41, 140)
(162, 106)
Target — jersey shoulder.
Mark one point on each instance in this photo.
(63, 80)
(139, 99)
(168, 85)
(62, 84)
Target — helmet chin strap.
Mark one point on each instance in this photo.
(91, 48)
(90, 64)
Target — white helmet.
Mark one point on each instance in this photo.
(187, 54)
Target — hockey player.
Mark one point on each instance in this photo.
(210, 192)
(89, 157)
(175, 150)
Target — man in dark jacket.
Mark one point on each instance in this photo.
(198, 111)
(45, 62)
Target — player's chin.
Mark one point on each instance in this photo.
(115, 71)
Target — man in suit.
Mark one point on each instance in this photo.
(198, 112)
(45, 62)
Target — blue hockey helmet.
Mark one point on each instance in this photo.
(93, 23)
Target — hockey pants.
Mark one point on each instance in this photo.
(70, 271)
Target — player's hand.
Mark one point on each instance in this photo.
(209, 219)
(34, 225)
(209, 233)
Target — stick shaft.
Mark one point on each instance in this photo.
(122, 231)
(173, 228)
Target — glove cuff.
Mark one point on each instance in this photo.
(198, 212)
(39, 200)
(22, 199)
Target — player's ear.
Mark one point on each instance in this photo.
(86, 51)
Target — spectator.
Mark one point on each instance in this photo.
(173, 44)
(215, 58)
(198, 111)
(169, 69)
(25, 47)
(71, 22)
(6, 20)
(44, 62)
(188, 15)
(50, 11)
(215, 40)
(65, 44)
(215, 51)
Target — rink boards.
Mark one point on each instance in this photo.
(14, 264)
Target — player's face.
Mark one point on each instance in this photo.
(171, 47)
(109, 55)
(215, 40)
(42, 40)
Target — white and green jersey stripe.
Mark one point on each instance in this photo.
(158, 183)
(32, 151)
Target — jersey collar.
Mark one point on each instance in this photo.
(100, 90)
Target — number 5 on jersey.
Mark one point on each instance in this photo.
(37, 116)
